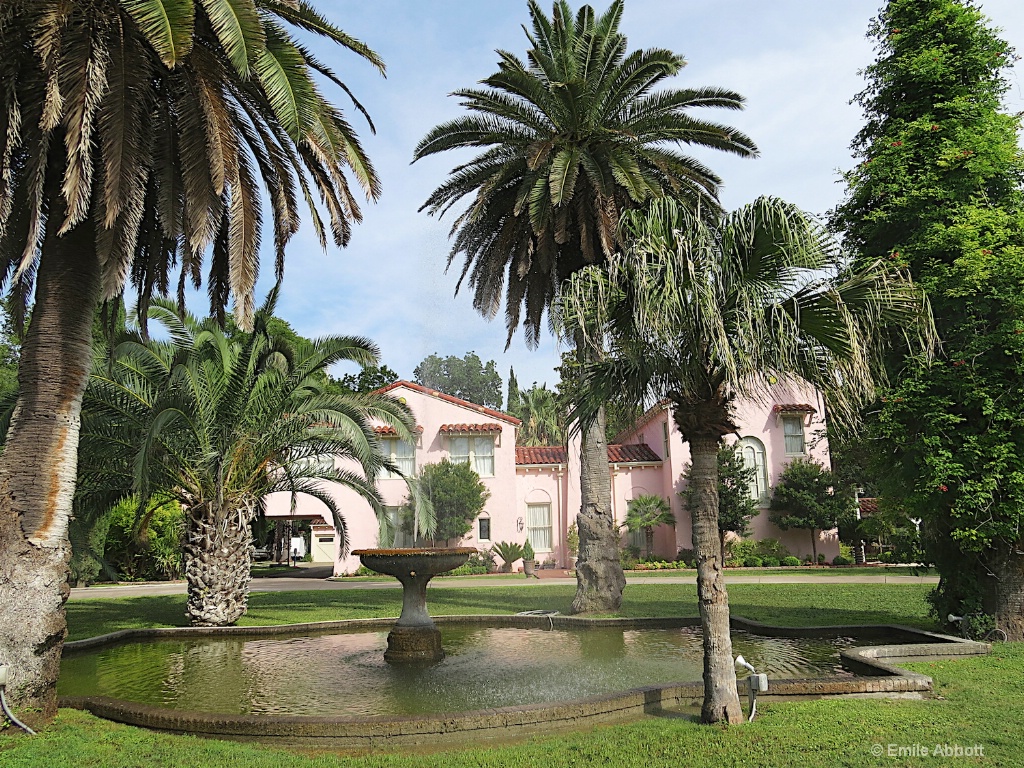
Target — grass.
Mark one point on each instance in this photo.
(978, 704)
(790, 604)
(817, 572)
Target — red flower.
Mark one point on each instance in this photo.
(935, 127)
(986, 252)
(897, 143)
(959, 362)
(943, 488)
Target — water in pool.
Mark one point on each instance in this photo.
(345, 674)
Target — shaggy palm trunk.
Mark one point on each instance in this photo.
(218, 565)
(721, 701)
(1006, 601)
(649, 541)
(39, 466)
(599, 576)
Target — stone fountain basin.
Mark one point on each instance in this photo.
(418, 561)
(877, 672)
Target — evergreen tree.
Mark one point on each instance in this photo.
(513, 393)
(938, 190)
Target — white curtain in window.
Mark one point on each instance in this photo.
(793, 430)
(458, 450)
(538, 524)
(483, 456)
(752, 451)
(405, 457)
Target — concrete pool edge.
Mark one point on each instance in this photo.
(876, 667)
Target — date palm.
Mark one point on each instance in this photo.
(138, 139)
(708, 312)
(568, 140)
(217, 424)
(541, 413)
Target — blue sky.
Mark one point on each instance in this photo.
(795, 61)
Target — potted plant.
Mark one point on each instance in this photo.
(509, 552)
(529, 559)
(572, 543)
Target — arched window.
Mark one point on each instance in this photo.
(752, 451)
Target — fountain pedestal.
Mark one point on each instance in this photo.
(415, 637)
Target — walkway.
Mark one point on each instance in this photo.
(294, 583)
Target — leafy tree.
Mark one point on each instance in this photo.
(457, 496)
(137, 137)
(701, 313)
(736, 507)
(807, 496)
(569, 140)
(466, 377)
(938, 190)
(370, 378)
(645, 513)
(217, 426)
(513, 393)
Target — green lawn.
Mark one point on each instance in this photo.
(979, 701)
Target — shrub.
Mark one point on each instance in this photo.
(528, 553)
(686, 557)
(752, 562)
(771, 562)
(821, 558)
(509, 552)
(628, 559)
(771, 548)
(741, 549)
(790, 561)
(840, 560)
(732, 563)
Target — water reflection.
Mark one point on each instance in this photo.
(345, 674)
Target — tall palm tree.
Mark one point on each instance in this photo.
(137, 137)
(645, 513)
(570, 139)
(707, 312)
(218, 424)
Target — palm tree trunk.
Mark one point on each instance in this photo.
(39, 465)
(218, 565)
(649, 541)
(599, 576)
(721, 701)
(814, 546)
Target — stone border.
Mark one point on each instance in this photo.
(875, 666)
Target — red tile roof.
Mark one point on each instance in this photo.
(450, 399)
(541, 454)
(868, 507)
(556, 454)
(631, 454)
(390, 431)
(794, 408)
(475, 429)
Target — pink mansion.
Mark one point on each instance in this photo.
(535, 492)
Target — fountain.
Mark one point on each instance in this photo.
(414, 637)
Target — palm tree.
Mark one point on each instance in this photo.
(568, 141)
(541, 413)
(645, 513)
(217, 424)
(136, 138)
(706, 312)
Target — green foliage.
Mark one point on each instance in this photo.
(509, 552)
(370, 378)
(771, 562)
(146, 547)
(648, 511)
(741, 549)
(543, 415)
(840, 560)
(938, 190)
(752, 562)
(806, 496)
(528, 553)
(790, 561)
(736, 507)
(466, 377)
(456, 495)
(572, 540)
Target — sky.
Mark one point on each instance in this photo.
(796, 62)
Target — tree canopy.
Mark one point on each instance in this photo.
(466, 377)
(806, 495)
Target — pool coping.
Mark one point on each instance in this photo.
(876, 669)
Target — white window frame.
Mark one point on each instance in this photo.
(759, 489)
(798, 420)
(471, 457)
(490, 528)
(549, 528)
(389, 450)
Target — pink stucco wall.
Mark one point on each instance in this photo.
(514, 487)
